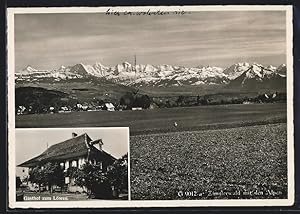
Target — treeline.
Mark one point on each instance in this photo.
(216, 99)
(38, 101)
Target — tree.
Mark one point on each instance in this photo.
(143, 101)
(205, 100)
(36, 175)
(18, 182)
(198, 100)
(72, 172)
(53, 175)
(99, 183)
(50, 174)
(127, 100)
(118, 174)
(180, 100)
(94, 179)
(168, 104)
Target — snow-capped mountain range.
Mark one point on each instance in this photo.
(151, 75)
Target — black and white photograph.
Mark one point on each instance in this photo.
(66, 165)
(205, 91)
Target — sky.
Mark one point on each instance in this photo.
(216, 38)
(30, 143)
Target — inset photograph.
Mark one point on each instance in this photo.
(72, 164)
(206, 92)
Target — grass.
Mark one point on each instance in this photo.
(162, 120)
(236, 163)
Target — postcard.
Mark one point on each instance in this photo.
(173, 106)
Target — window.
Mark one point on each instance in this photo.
(74, 163)
(67, 165)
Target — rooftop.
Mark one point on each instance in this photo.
(77, 146)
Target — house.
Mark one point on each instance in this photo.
(136, 108)
(21, 110)
(84, 107)
(109, 107)
(51, 109)
(79, 106)
(64, 109)
(73, 152)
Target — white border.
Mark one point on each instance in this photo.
(150, 203)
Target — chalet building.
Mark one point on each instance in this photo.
(109, 107)
(73, 152)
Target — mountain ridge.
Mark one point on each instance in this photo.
(156, 75)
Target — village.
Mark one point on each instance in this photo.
(66, 109)
(78, 107)
(127, 102)
(138, 103)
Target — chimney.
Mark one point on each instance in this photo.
(100, 143)
(74, 134)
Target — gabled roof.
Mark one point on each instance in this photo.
(102, 154)
(74, 147)
(109, 105)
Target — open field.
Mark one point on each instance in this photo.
(215, 152)
(162, 120)
(236, 163)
